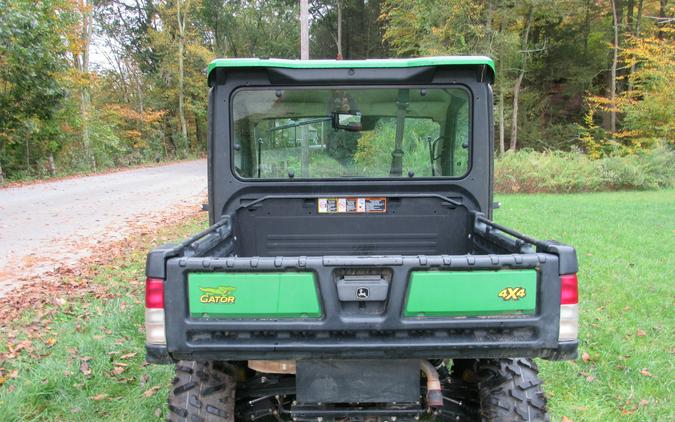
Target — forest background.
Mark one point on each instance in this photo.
(583, 96)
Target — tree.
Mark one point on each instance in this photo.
(181, 18)
(615, 60)
(32, 58)
(347, 29)
(80, 46)
(519, 80)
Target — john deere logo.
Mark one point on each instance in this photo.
(362, 293)
(512, 293)
(217, 294)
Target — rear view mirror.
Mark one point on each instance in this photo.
(347, 121)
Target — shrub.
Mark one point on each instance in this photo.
(573, 171)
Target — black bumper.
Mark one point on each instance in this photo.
(386, 335)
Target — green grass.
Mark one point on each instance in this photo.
(52, 385)
(627, 265)
(626, 247)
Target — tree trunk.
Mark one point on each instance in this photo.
(85, 105)
(339, 30)
(52, 166)
(514, 113)
(139, 92)
(612, 82)
(587, 23)
(519, 81)
(637, 35)
(26, 144)
(501, 122)
(181, 94)
(85, 98)
(2, 175)
(662, 17)
(198, 135)
(638, 20)
(488, 18)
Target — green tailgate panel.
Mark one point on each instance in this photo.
(472, 293)
(253, 295)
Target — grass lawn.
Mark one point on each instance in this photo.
(85, 362)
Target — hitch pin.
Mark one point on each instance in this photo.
(457, 402)
(254, 401)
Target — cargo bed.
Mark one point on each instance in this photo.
(335, 326)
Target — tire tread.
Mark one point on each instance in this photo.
(202, 392)
(510, 391)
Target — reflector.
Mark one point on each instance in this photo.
(154, 327)
(569, 323)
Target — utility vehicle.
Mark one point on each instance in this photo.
(351, 270)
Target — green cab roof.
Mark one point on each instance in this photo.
(354, 64)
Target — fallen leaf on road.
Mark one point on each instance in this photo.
(585, 357)
(566, 419)
(640, 333)
(2, 380)
(152, 391)
(128, 355)
(51, 341)
(99, 397)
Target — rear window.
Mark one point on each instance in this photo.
(324, 133)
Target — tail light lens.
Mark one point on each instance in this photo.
(154, 293)
(569, 289)
(569, 308)
(155, 333)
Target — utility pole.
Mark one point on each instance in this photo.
(304, 55)
(339, 30)
(304, 29)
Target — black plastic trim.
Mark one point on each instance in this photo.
(157, 354)
(368, 336)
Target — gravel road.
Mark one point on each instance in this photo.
(46, 225)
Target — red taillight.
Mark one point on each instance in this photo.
(569, 289)
(154, 293)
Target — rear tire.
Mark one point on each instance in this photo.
(202, 392)
(510, 391)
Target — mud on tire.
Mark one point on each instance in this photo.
(510, 391)
(202, 392)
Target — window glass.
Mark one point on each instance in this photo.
(356, 132)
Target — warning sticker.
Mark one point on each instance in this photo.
(351, 205)
(376, 204)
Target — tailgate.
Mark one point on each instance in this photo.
(433, 306)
